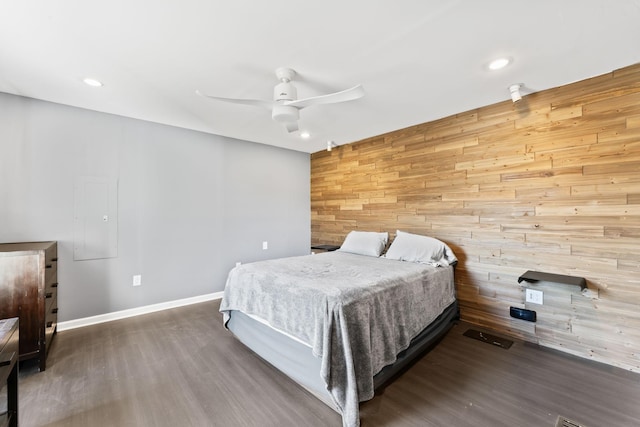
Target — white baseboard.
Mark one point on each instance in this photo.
(107, 317)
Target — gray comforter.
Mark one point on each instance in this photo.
(355, 312)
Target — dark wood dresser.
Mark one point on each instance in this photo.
(29, 291)
(9, 338)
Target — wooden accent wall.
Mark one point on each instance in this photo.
(551, 183)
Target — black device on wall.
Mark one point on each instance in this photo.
(523, 313)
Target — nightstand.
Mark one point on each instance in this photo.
(324, 248)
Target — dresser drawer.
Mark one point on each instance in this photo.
(50, 293)
(51, 254)
(51, 314)
(51, 323)
(50, 301)
(48, 336)
(50, 273)
(52, 286)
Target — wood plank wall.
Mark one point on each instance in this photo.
(550, 184)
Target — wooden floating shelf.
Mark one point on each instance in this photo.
(539, 276)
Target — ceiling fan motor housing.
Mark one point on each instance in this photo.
(285, 91)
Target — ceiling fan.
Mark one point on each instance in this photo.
(285, 107)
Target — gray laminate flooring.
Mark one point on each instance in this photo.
(180, 367)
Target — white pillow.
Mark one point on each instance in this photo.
(421, 249)
(365, 243)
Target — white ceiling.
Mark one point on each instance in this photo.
(417, 60)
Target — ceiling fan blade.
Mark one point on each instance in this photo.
(256, 102)
(291, 126)
(342, 96)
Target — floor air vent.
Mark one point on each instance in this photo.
(488, 338)
(564, 422)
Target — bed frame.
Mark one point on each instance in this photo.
(295, 359)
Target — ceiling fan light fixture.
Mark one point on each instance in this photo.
(285, 113)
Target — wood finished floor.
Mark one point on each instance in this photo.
(180, 367)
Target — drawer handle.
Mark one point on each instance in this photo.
(7, 362)
(55, 311)
(49, 324)
(54, 259)
(54, 285)
(49, 295)
(48, 266)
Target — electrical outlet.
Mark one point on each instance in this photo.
(137, 280)
(533, 296)
(265, 245)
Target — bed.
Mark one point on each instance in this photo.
(343, 323)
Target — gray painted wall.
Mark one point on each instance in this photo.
(189, 204)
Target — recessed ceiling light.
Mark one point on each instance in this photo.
(499, 63)
(92, 82)
(305, 135)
